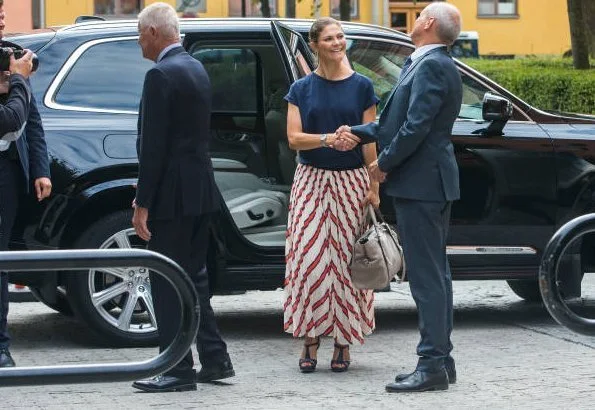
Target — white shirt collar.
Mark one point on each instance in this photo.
(419, 52)
(166, 49)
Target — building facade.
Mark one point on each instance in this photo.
(505, 27)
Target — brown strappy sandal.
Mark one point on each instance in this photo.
(340, 365)
(307, 364)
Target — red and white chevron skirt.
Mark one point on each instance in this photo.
(325, 216)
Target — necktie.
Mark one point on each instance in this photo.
(405, 66)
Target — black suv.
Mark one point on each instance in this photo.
(517, 187)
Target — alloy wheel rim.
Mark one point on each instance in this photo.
(122, 296)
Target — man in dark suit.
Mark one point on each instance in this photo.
(418, 165)
(176, 194)
(23, 158)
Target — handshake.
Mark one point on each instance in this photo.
(343, 139)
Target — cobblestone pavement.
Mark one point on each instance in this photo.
(509, 354)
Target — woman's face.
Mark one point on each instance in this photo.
(331, 44)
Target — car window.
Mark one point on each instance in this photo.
(472, 106)
(233, 78)
(473, 93)
(380, 61)
(107, 75)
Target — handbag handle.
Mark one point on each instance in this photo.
(373, 213)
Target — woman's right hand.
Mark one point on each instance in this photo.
(345, 141)
(372, 198)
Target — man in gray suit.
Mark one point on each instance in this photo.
(418, 165)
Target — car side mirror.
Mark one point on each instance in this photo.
(496, 109)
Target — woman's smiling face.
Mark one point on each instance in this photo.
(331, 43)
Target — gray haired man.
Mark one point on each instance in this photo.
(176, 195)
(418, 165)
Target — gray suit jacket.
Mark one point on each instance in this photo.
(414, 131)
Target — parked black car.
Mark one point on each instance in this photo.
(516, 187)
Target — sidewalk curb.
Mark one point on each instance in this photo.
(19, 293)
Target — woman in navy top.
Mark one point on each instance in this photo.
(330, 192)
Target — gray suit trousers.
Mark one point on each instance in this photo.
(423, 228)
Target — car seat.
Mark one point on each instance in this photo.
(254, 208)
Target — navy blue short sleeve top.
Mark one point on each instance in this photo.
(324, 106)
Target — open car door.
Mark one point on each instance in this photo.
(297, 56)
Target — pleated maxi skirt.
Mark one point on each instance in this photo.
(325, 218)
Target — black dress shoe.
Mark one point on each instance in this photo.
(419, 381)
(6, 359)
(162, 384)
(218, 371)
(451, 372)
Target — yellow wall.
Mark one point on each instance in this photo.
(303, 9)
(539, 29)
(60, 12)
(214, 8)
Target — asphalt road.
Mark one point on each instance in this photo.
(510, 354)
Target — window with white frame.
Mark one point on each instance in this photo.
(497, 7)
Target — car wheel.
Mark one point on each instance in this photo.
(526, 289)
(115, 302)
(59, 304)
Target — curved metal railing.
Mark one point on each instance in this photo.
(106, 258)
(549, 282)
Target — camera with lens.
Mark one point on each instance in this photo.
(5, 53)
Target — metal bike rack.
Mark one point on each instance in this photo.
(549, 269)
(106, 258)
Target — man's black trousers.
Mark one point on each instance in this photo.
(10, 184)
(185, 240)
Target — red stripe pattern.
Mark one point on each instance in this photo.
(325, 215)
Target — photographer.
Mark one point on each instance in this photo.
(23, 157)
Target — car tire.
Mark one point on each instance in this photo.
(61, 303)
(116, 302)
(526, 289)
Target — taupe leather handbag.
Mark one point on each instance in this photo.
(377, 254)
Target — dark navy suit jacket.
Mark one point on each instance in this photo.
(175, 171)
(20, 110)
(414, 131)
